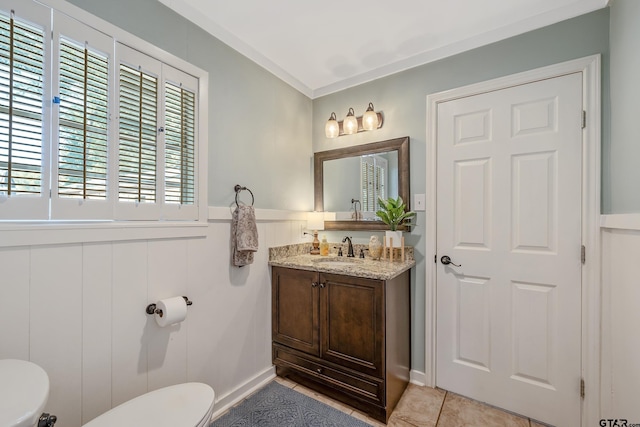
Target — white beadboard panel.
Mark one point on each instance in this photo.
(78, 311)
(261, 278)
(621, 317)
(14, 304)
(606, 394)
(283, 233)
(233, 330)
(56, 326)
(96, 329)
(229, 321)
(202, 358)
(130, 323)
(167, 347)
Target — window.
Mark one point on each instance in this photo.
(95, 129)
(373, 181)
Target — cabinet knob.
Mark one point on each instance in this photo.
(319, 370)
(322, 285)
(314, 284)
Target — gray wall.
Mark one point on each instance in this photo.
(259, 127)
(624, 150)
(262, 132)
(402, 99)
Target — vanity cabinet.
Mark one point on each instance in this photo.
(347, 337)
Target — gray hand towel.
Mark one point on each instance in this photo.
(244, 235)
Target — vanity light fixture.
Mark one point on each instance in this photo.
(352, 124)
(332, 128)
(370, 119)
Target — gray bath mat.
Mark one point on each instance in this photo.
(278, 406)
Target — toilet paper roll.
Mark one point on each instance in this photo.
(174, 310)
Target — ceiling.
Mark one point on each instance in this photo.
(323, 47)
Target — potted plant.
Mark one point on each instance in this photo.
(393, 212)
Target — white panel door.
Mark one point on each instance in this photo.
(509, 212)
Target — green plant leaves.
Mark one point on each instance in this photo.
(392, 212)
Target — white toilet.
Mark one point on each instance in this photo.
(24, 389)
(181, 405)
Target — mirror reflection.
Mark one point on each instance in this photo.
(352, 185)
(349, 180)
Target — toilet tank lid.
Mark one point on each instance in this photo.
(24, 390)
(181, 405)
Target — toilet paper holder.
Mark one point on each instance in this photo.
(151, 308)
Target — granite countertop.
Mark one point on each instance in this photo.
(359, 267)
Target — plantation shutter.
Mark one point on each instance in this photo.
(139, 115)
(82, 74)
(138, 135)
(380, 178)
(179, 145)
(180, 141)
(23, 69)
(83, 122)
(373, 178)
(21, 91)
(367, 176)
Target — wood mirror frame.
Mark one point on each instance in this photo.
(401, 145)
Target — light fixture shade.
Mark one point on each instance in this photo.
(332, 128)
(370, 119)
(350, 124)
(315, 221)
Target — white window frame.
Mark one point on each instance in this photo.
(19, 209)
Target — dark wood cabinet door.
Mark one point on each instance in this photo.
(352, 322)
(296, 309)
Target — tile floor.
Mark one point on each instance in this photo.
(428, 407)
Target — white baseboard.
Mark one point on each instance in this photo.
(223, 403)
(418, 378)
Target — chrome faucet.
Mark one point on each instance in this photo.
(350, 253)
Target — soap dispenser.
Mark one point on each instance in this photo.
(324, 246)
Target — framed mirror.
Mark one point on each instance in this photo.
(348, 181)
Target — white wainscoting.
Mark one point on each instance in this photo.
(620, 317)
(77, 310)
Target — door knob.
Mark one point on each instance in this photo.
(446, 261)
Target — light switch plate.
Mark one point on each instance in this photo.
(419, 201)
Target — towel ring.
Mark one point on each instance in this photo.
(238, 189)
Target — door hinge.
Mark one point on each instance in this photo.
(582, 388)
(584, 119)
(583, 254)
